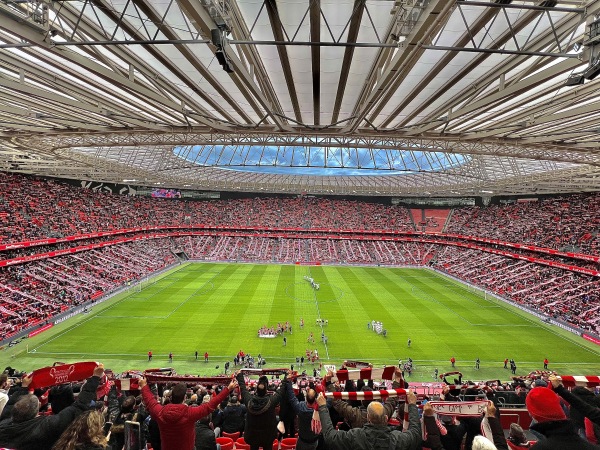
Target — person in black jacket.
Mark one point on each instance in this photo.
(205, 435)
(544, 406)
(287, 415)
(117, 430)
(233, 416)
(584, 408)
(455, 433)
(261, 421)
(25, 430)
(309, 429)
(432, 431)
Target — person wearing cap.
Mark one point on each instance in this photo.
(375, 434)
(176, 420)
(25, 430)
(559, 432)
(261, 421)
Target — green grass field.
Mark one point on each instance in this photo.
(219, 308)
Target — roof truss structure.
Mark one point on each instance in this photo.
(425, 97)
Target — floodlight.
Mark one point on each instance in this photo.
(575, 79)
(593, 70)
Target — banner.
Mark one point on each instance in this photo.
(66, 373)
(260, 372)
(163, 379)
(40, 330)
(587, 337)
(460, 409)
(357, 364)
(565, 327)
(71, 314)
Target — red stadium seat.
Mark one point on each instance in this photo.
(241, 444)
(512, 446)
(288, 443)
(225, 442)
(233, 436)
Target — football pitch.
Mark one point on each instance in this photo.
(218, 308)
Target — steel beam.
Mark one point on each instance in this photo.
(493, 147)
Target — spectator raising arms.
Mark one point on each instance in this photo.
(176, 420)
(261, 421)
(28, 431)
(375, 434)
(544, 406)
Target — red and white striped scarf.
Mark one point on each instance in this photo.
(580, 380)
(366, 395)
(367, 373)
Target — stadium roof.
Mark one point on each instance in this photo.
(366, 97)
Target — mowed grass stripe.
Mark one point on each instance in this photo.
(233, 323)
(336, 313)
(464, 310)
(441, 323)
(359, 306)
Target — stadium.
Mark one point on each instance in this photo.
(331, 187)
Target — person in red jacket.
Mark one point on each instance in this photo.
(176, 420)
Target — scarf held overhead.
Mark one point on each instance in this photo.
(367, 373)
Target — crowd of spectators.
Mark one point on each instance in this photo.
(282, 250)
(430, 220)
(571, 297)
(34, 293)
(32, 208)
(564, 223)
(294, 411)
